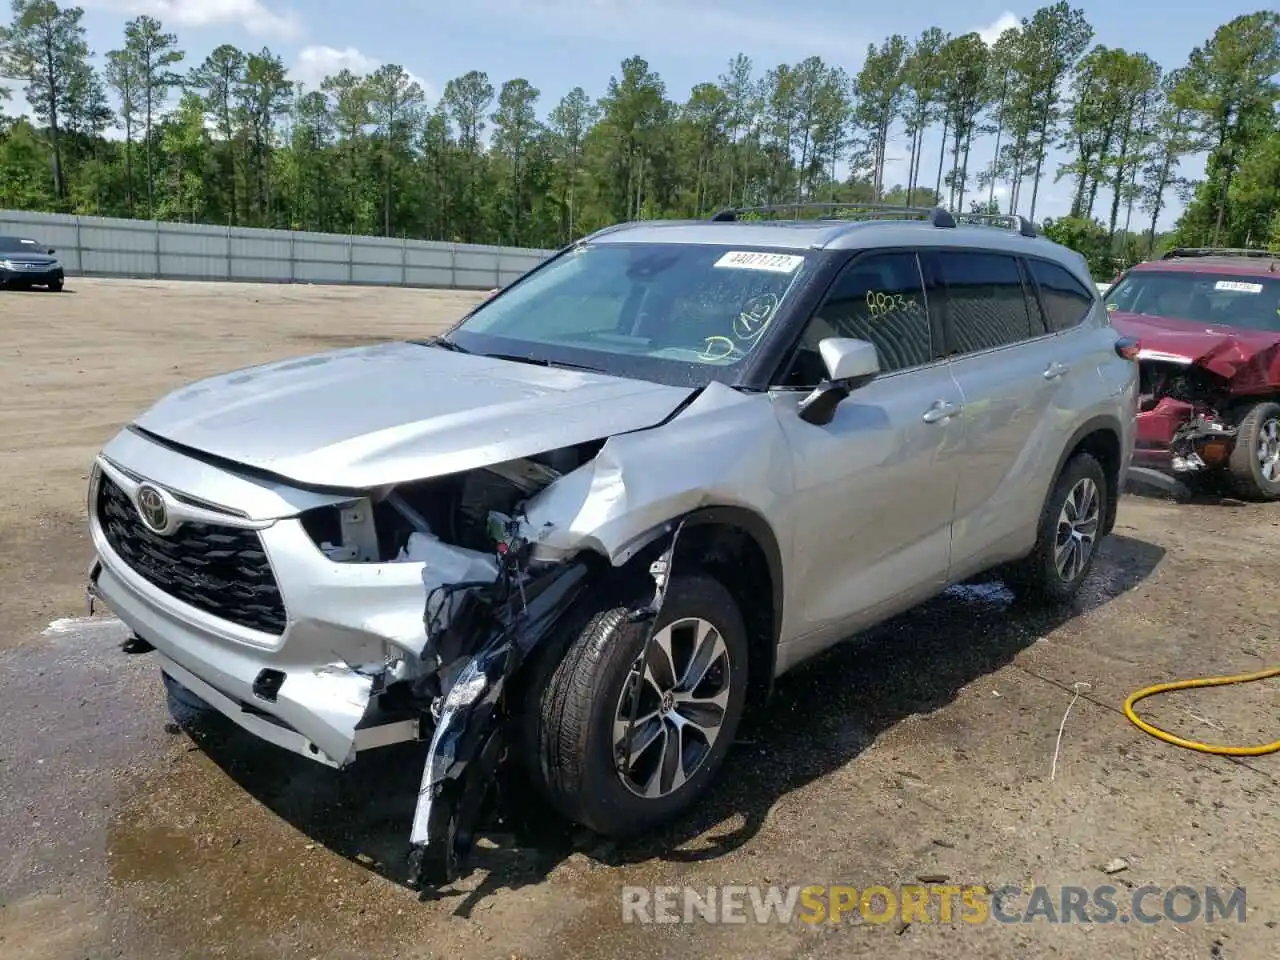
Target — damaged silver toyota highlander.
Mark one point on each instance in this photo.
(578, 534)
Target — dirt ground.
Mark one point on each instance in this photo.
(924, 750)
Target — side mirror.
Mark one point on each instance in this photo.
(850, 364)
(52, 251)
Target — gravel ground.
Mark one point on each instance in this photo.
(924, 750)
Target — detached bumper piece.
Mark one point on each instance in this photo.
(1147, 477)
(496, 627)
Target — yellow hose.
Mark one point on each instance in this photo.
(1221, 751)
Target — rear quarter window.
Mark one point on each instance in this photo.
(1066, 301)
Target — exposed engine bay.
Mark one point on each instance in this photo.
(453, 509)
(1182, 382)
(463, 528)
(1191, 401)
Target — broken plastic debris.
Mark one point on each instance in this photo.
(445, 564)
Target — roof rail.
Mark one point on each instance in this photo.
(1219, 252)
(612, 228)
(934, 215)
(1013, 221)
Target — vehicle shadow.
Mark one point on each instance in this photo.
(1211, 490)
(823, 715)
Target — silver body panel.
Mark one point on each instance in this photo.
(368, 416)
(873, 512)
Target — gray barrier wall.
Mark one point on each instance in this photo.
(103, 247)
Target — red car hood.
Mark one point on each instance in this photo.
(1250, 359)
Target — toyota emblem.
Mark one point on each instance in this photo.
(152, 508)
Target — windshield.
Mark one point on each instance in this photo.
(19, 245)
(1251, 302)
(675, 313)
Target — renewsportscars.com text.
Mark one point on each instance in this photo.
(933, 903)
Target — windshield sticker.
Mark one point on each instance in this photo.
(1238, 286)
(770, 262)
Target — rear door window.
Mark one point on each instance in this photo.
(1065, 299)
(985, 301)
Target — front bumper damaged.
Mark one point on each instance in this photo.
(361, 647)
(520, 614)
(493, 631)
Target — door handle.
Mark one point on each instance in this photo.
(940, 411)
(1056, 370)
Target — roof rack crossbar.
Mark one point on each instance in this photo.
(934, 215)
(1219, 252)
(1015, 222)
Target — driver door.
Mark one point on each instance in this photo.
(875, 487)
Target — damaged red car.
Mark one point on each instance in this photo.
(1208, 326)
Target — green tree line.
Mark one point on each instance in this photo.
(233, 140)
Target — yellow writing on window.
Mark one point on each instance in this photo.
(880, 304)
(716, 349)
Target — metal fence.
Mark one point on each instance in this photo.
(103, 247)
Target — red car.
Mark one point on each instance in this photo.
(1208, 326)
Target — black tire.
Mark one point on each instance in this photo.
(56, 286)
(183, 704)
(1037, 576)
(1260, 422)
(570, 705)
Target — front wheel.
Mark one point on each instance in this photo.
(623, 757)
(1255, 462)
(56, 286)
(185, 707)
(1070, 527)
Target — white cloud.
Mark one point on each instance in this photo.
(256, 16)
(16, 105)
(680, 26)
(319, 61)
(991, 33)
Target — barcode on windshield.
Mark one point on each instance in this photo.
(751, 260)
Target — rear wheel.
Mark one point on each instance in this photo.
(1255, 462)
(1070, 527)
(623, 758)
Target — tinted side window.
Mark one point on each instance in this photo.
(879, 298)
(986, 304)
(1065, 300)
(1040, 324)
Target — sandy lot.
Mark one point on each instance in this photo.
(924, 750)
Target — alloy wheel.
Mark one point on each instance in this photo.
(1269, 450)
(1077, 529)
(678, 699)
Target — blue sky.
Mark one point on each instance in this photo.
(557, 44)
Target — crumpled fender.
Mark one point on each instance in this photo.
(1246, 368)
(713, 453)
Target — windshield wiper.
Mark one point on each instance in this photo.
(541, 362)
(442, 343)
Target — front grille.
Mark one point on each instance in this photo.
(218, 569)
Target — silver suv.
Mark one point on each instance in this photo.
(589, 525)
